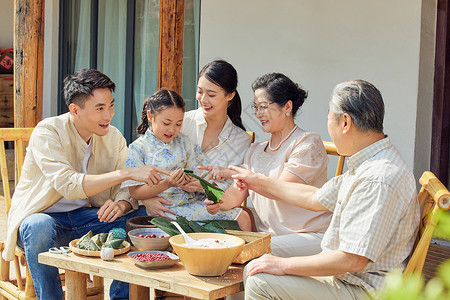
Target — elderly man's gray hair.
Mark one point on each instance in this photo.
(362, 101)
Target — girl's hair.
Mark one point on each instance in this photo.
(224, 75)
(156, 103)
(281, 89)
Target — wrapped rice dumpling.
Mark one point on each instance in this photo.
(87, 243)
(100, 239)
(113, 242)
(89, 235)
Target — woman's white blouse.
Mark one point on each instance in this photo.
(233, 142)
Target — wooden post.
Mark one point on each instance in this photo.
(171, 29)
(28, 61)
(440, 139)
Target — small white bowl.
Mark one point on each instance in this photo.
(154, 264)
(143, 244)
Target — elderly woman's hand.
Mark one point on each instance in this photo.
(217, 173)
(211, 207)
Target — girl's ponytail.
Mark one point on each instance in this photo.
(142, 128)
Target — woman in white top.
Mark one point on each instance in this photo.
(216, 126)
(290, 154)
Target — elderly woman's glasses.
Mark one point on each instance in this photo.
(261, 108)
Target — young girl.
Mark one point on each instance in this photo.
(162, 145)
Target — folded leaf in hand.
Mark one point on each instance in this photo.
(212, 192)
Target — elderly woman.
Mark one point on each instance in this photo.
(291, 154)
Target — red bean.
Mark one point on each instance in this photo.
(150, 257)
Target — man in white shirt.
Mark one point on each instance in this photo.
(71, 178)
(374, 205)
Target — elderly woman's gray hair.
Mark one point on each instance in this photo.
(362, 101)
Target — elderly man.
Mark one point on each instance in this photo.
(71, 177)
(374, 205)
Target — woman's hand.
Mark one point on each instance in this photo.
(193, 186)
(217, 173)
(211, 207)
(110, 211)
(177, 178)
(155, 207)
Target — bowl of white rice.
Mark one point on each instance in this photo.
(213, 254)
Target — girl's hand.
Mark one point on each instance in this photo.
(212, 207)
(109, 211)
(193, 186)
(176, 178)
(217, 173)
(155, 207)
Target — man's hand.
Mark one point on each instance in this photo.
(211, 207)
(149, 174)
(266, 264)
(155, 207)
(217, 173)
(109, 211)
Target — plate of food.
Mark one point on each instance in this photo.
(91, 245)
(153, 259)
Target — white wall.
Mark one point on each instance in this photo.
(319, 44)
(6, 23)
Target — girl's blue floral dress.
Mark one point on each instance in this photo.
(180, 152)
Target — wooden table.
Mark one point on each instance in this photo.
(143, 282)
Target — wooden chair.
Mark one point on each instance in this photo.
(435, 198)
(252, 136)
(23, 287)
(331, 149)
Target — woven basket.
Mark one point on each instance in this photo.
(257, 244)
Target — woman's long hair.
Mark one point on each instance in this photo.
(224, 75)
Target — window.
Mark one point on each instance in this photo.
(121, 39)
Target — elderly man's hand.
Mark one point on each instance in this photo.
(245, 179)
(266, 264)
